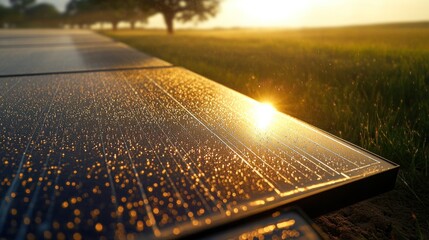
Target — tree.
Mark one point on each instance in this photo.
(42, 15)
(21, 5)
(86, 12)
(136, 14)
(4, 15)
(24, 13)
(82, 13)
(115, 11)
(43, 11)
(17, 11)
(182, 10)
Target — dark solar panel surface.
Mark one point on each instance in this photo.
(28, 38)
(285, 224)
(30, 52)
(153, 153)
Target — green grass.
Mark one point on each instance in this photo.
(368, 85)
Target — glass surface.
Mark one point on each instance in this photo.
(153, 153)
(285, 224)
(38, 37)
(39, 52)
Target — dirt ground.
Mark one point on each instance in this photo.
(397, 214)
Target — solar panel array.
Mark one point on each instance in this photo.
(152, 152)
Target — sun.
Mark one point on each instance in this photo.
(263, 115)
(271, 12)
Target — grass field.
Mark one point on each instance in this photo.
(368, 85)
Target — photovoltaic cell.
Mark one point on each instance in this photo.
(284, 224)
(27, 38)
(39, 52)
(157, 153)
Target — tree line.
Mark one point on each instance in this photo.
(26, 13)
(85, 13)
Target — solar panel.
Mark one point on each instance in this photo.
(39, 52)
(161, 153)
(39, 37)
(285, 224)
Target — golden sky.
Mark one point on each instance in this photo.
(303, 13)
(309, 13)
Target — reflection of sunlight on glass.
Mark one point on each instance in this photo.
(264, 113)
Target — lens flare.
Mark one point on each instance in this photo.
(264, 113)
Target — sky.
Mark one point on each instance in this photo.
(303, 13)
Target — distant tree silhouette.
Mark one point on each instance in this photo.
(182, 10)
(116, 11)
(21, 5)
(42, 15)
(87, 12)
(25, 13)
(135, 13)
(4, 16)
(81, 12)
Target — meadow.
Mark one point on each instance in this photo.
(366, 84)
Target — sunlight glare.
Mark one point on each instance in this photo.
(264, 113)
(271, 12)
